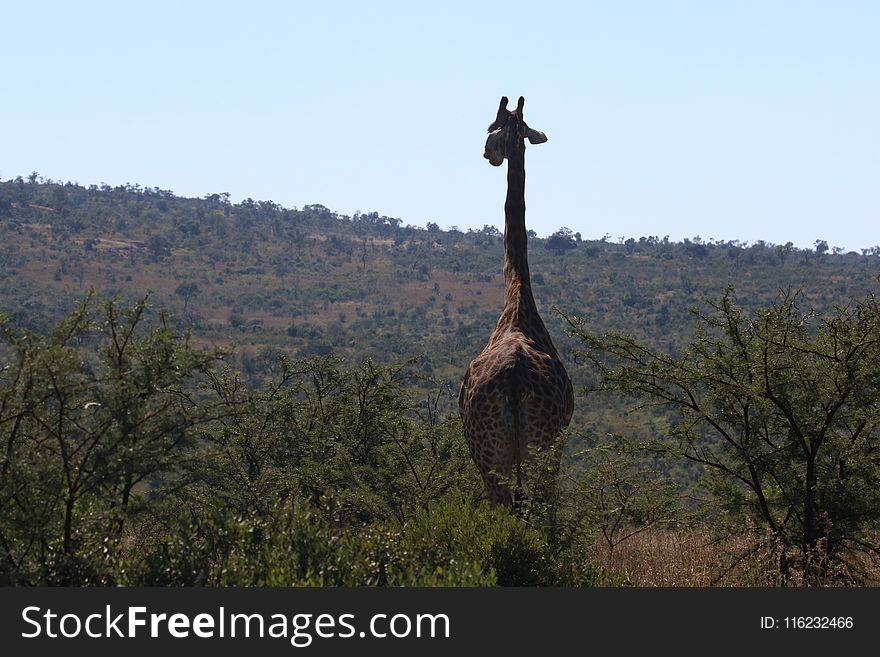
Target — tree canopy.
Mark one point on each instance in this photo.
(780, 408)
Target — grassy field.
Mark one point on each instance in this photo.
(697, 557)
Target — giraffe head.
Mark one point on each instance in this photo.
(507, 132)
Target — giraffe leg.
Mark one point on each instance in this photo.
(519, 492)
(500, 495)
(498, 490)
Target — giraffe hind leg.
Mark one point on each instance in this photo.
(498, 490)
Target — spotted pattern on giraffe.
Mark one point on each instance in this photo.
(516, 396)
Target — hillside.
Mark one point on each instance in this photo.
(133, 455)
(263, 277)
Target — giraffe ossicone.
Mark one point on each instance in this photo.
(516, 396)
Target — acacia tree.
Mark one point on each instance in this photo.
(781, 410)
(187, 291)
(620, 493)
(315, 427)
(561, 241)
(101, 404)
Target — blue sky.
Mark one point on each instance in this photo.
(729, 120)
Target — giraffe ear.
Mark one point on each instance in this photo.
(535, 136)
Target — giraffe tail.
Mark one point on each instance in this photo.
(518, 410)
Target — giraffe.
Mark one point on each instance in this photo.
(516, 394)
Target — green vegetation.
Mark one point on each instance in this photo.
(133, 457)
(782, 412)
(282, 410)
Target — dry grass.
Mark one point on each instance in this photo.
(697, 557)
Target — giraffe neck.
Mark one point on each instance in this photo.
(516, 259)
(520, 311)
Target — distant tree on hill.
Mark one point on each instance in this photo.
(159, 247)
(187, 291)
(561, 241)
